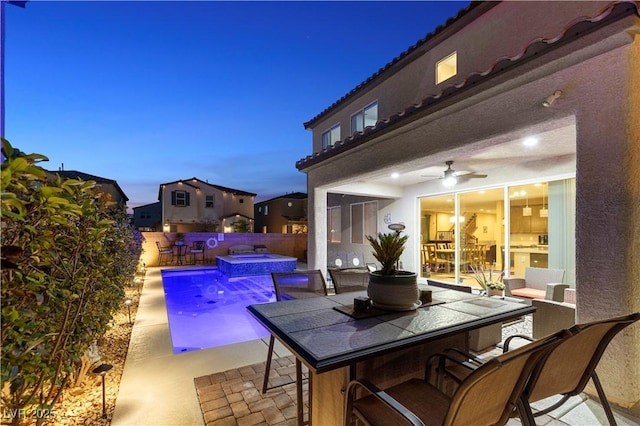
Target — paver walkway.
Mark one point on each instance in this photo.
(234, 397)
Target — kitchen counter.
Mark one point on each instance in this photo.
(530, 249)
(525, 256)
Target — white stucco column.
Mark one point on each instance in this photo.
(317, 237)
(608, 214)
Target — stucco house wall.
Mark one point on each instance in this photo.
(597, 67)
(485, 39)
(190, 218)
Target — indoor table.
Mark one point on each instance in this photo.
(385, 347)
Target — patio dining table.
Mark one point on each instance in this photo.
(338, 345)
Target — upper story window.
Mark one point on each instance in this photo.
(447, 67)
(180, 198)
(366, 117)
(209, 201)
(331, 136)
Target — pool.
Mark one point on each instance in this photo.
(246, 264)
(208, 309)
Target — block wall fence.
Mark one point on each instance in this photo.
(217, 244)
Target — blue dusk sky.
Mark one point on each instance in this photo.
(150, 92)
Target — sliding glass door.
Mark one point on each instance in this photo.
(506, 228)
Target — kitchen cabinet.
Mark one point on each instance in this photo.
(533, 224)
(519, 224)
(538, 224)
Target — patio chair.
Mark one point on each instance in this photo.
(565, 371)
(538, 283)
(572, 363)
(164, 253)
(197, 250)
(294, 285)
(477, 400)
(350, 279)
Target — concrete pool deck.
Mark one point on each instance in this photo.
(157, 386)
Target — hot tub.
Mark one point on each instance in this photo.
(240, 265)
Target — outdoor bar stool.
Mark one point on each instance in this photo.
(294, 285)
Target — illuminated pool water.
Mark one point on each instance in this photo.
(208, 309)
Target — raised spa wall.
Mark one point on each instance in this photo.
(242, 265)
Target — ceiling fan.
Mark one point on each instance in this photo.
(450, 177)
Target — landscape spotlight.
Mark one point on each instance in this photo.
(128, 303)
(102, 371)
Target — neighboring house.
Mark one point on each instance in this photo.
(286, 214)
(192, 205)
(473, 91)
(105, 185)
(148, 218)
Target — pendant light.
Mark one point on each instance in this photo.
(526, 211)
(544, 211)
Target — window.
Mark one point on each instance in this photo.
(209, 201)
(364, 118)
(446, 68)
(180, 198)
(331, 136)
(334, 225)
(364, 220)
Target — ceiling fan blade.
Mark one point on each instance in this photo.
(469, 175)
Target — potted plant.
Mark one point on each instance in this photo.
(390, 288)
(491, 286)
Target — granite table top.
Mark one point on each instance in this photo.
(325, 338)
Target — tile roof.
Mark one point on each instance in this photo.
(292, 195)
(190, 182)
(74, 174)
(413, 50)
(536, 49)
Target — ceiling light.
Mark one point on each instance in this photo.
(530, 141)
(395, 175)
(449, 178)
(449, 181)
(551, 99)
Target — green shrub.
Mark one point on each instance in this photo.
(67, 254)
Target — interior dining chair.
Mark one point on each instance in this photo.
(437, 259)
(476, 401)
(294, 285)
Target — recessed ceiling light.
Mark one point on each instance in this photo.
(530, 141)
(395, 175)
